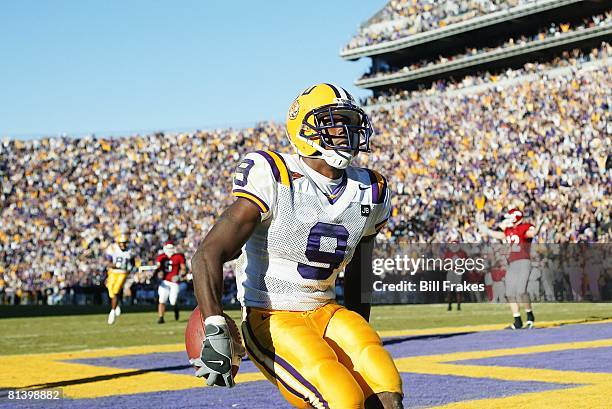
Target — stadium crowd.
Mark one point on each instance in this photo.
(553, 30)
(403, 18)
(543, 145)
(573, 59)
(540, 144)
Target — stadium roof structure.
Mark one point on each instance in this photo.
(480, 33)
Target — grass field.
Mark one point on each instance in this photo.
(79, 332)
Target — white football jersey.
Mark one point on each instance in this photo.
(122, 260)
(306, 237)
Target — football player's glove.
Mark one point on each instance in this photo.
(215, 362)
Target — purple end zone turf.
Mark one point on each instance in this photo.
(582, 360)
(423, 390)
(398, 347)
(478, 341)
(170, 362)
(249, 395)
(420, 390)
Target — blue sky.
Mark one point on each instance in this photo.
(117, 67)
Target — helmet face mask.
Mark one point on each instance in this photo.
(355, 131)
(169, 248)
(122, 241)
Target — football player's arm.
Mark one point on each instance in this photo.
(221, 244)
(109, 260)
(484, 229)
(531, 232)
(159, 273)
(358, 275)
(358, 278)
(254, 187)
(183, 271)
(134, 264)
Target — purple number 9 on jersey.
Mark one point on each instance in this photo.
(315, 254)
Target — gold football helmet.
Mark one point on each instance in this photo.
(122, 240)
(321, 109)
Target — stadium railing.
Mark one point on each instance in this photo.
(568, 38)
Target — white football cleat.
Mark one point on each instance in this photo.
(117, 311)
(529, 325)
(111, 317)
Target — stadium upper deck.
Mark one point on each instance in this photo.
(421, 31)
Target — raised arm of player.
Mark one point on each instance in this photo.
(534, 231)
(486, 231)
(221, 244)
(358, 278)
(531, 232)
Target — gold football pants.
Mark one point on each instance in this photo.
(326, 358)
(114, 282)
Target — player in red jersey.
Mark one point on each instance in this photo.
(171, 269)
(519, 235)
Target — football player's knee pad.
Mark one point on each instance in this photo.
(378, 369)
(337, 385)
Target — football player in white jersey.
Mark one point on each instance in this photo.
(297, 221)
(121, 263)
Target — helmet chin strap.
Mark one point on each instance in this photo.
(335, 159)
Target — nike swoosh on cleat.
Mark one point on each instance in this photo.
(216, 362)
(362, 187)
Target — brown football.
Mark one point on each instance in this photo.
(195, 335)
